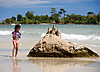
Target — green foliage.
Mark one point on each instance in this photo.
(90, 13)
(3, 22)
(30, 15)
(19, 17)
(53, 11)
(24, 18)
(37, 17)
(26, 21)
(55, 17)
(8, 21)
(13, 19)
(62, 11)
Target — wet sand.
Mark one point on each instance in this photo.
(32, 64)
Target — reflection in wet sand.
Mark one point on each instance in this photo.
(16, 67)
(59, 64)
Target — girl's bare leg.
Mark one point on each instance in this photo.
(14, 44)
(17, 45)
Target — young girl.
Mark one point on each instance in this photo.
(16, 36)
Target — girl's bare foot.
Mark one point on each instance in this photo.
(12, 55)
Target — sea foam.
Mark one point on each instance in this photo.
(7, 32)
(77, 37)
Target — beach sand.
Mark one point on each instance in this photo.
(22, 63)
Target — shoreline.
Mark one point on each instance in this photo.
(39, 64)
(50, 24)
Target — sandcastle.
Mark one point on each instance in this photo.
(53, 45)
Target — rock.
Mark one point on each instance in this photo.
(53, 45)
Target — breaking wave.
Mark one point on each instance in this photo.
(7, 32)
(77, 37)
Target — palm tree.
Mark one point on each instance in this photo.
(53, 11)
(62, 11)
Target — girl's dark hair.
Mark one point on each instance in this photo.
(17, 26)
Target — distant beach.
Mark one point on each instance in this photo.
(51, 24)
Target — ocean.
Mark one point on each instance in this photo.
(87, 35)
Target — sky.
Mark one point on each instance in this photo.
(9, 8)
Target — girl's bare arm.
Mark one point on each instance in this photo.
(14, 37)
(19, 35)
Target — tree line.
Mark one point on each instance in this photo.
(57, 17)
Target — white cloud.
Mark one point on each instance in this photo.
(10, 3)
(68, 1)
(35, 6)
(30, 3)
(77, 0)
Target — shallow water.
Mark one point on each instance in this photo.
(87, 35)
(25, 64)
